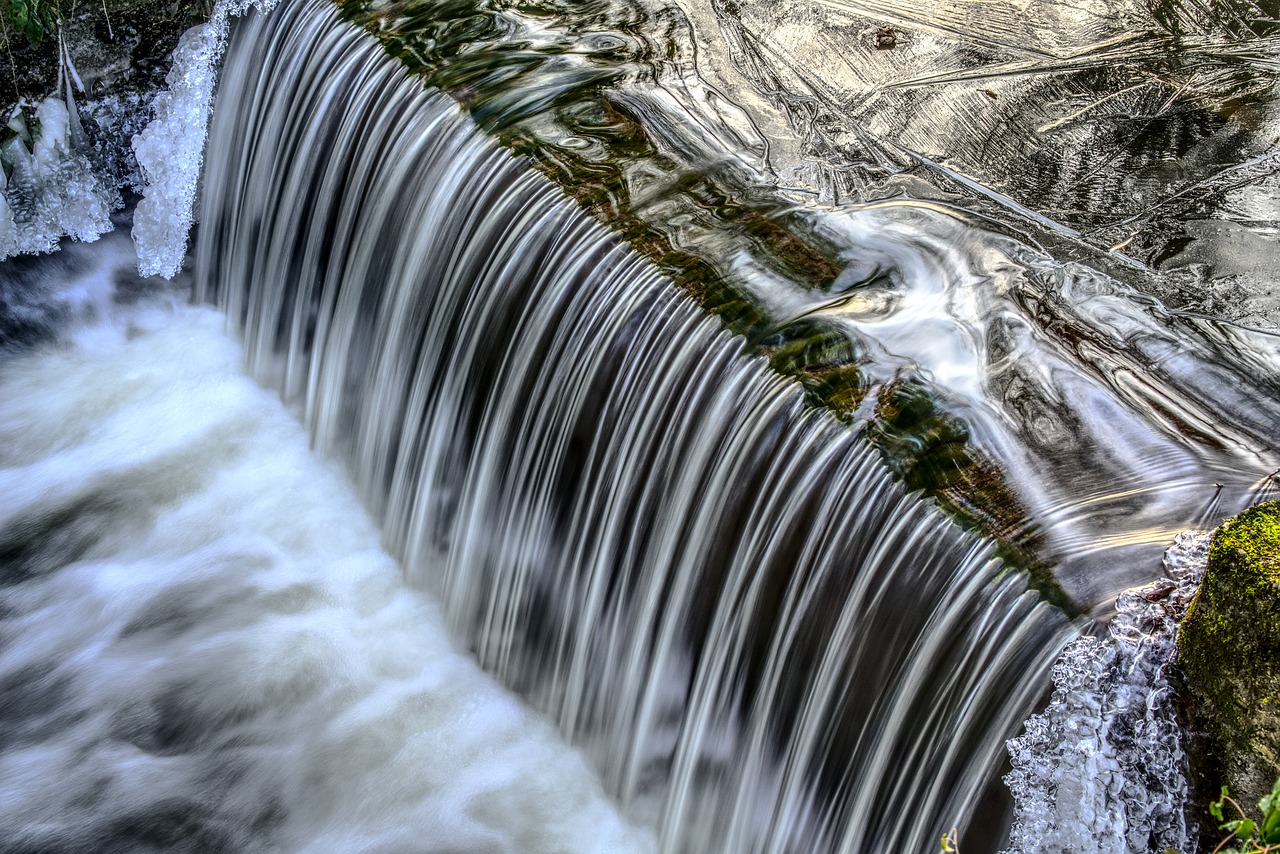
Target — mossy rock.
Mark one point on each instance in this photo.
(1229, 654)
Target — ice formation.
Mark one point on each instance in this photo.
(170, 148)
(55, 184)
(52, 188)
(1100, 770)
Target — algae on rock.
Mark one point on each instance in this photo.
(1229, 652)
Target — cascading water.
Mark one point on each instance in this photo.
(762, 641)
(202, 646)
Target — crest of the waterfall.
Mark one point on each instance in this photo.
(763, 642)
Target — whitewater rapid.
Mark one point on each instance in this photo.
(203, 646)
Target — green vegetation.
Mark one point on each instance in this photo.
(34, 19)
(1250, 837)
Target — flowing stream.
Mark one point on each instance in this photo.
(723, 597)
(706, 616)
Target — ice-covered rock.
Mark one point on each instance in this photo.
(1100, 771)
(59, 181)
(52, 188)
(170, 148)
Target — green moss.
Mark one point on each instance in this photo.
(1229, 654)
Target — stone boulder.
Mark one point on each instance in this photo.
(1229, 655)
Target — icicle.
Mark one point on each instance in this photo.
(52, 189)
(8, 228)
(75, 131)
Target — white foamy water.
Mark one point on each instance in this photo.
(203, 646)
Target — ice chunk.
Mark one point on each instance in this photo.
(52, 188)
(1100, 770)
(170, 148)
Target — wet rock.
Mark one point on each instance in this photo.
(115, 47)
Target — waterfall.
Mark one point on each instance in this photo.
(202, 647)
(760, 640)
